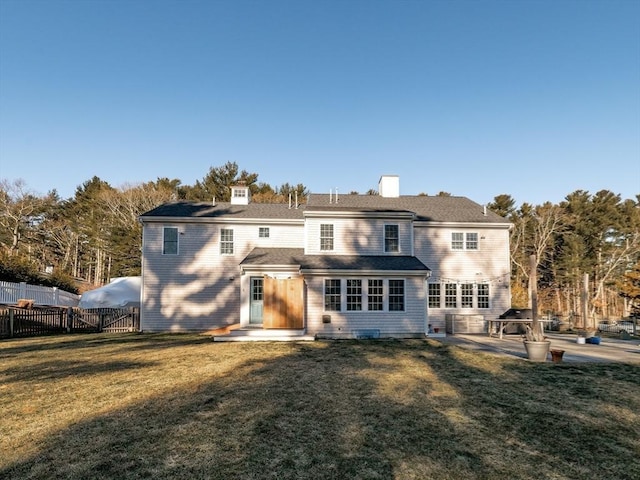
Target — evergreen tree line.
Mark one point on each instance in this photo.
(95, 236)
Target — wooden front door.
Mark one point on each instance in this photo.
(283, 303)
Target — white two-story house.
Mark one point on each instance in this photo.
(385, 265)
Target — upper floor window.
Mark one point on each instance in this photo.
(263, 232)
(226, 241)
(326, 236)
(391, 238)
(170, 241)
(464, 241)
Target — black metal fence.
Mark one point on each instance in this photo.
(22, 322)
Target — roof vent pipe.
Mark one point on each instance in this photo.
(214, 201)
(330, 193)
(336, 194)
(296, 199)
(484, 212)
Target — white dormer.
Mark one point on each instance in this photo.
(240, 195)
(389, 186)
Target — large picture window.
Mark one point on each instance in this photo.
(170, 241)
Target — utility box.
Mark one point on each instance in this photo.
(462, 323)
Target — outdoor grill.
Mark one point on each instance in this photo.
(517, 314)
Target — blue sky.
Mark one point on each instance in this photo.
(536, 99)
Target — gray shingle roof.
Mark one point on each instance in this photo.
(296, 257)
(425, 208)
(225, 209)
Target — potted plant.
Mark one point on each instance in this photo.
(535, 343)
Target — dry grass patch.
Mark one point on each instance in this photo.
(181, 406)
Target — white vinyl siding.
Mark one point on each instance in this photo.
(192, 291)
(356, 236)
(410, 322)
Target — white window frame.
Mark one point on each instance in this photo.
(395, 295)
(263, 232)
(226, 244)
(435, 300)
(388, 239)
(465, 241)
(326, 240)
(167, 242)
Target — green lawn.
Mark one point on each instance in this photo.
(181, 406)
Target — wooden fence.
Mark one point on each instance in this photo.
(21, 322)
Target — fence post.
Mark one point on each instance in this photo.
(56, 296)
(10, 322)
(69, 319)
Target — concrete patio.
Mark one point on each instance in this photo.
(609, 350)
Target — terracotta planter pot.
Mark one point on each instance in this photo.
(556, 355)
(537, 351)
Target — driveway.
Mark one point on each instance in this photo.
(609, 349)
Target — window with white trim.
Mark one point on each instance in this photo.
(326, 236)
(332, 295)
(354, 295)
(466, 295)
(434, 295)
(391, 238)
(450, 295)
(483, 295)
(263, 232)
(464, 241)
(375, 294)
(226, 241)
(170, 241)
(396, 295)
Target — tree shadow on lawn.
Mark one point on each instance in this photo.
(323, 410)
(76, 341)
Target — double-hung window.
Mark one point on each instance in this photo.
(464, 241)
(170, 241)
(396, 295)
(326, 236)
(226, 241)
(354, 295)
(434, 295)
(483, 295)
(332, 295)
(450, 295)
(466, 295)
(391, 238)
(375, 294)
